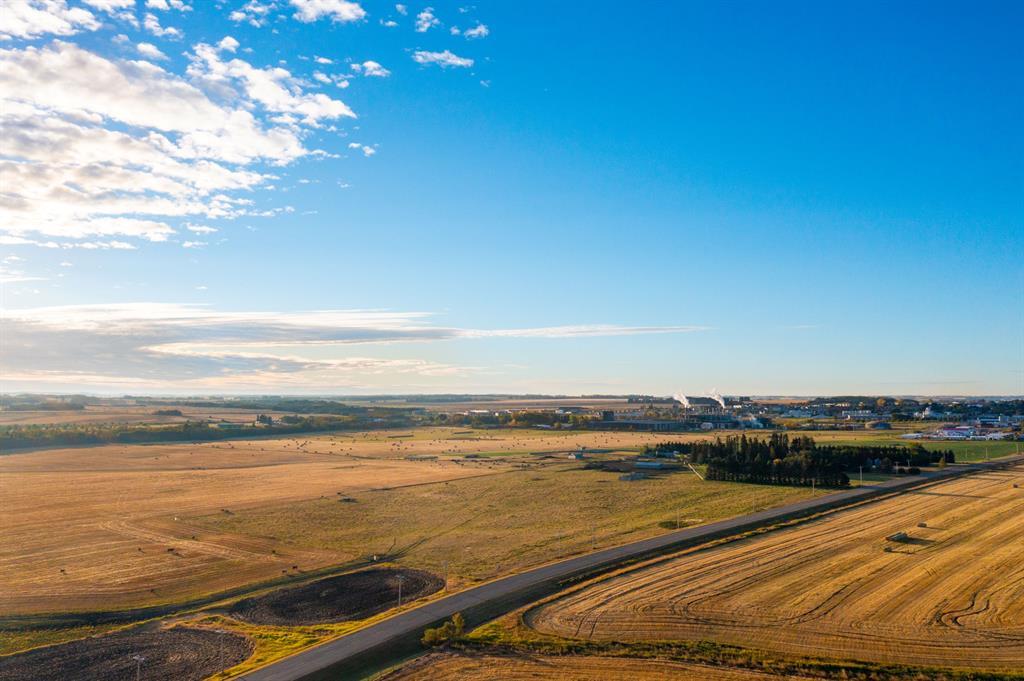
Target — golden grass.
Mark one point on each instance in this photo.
(17, 640)
(952, 596)
(480, 528)
(486, 667)
(107, 515)
(124, 414)
(270, 642)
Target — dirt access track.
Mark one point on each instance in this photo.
(398, 635)
(352, 596)
(180, 653)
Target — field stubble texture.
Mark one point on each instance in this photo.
(951, 595)
(442, 667)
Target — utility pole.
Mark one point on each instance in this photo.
(139, 659)
(861, 474)
(446, 576)
(401, 578)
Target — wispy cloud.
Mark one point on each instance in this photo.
(371, 69)
(341, 11)
(150, 51)
(426, 20)
(442, 59)
(195, 346)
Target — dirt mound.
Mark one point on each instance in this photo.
(181, 653)
(353, 596)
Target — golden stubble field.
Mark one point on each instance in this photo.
(102, 528)
(953, 595)
(441, 667)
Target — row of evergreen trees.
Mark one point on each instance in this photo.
(782, 460)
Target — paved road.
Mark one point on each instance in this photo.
(415, 620)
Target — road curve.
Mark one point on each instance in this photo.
(338, 651)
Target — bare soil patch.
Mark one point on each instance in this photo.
(183, 653)
(353, 596)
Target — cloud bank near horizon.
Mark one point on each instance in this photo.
(160, 346)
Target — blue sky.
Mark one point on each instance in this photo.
(761, 199)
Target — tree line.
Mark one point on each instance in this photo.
(781, 460)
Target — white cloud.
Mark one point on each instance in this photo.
(228, 44)
(442, 59)
(478, 31)
(99, 149)
(33, 18)
(193, 244)
(150, 50)
(371, 69)
(200, 229)
(185, 346)
(14, 276)
(6, 240)
(254, 12)
(273, 87)
(368, 151)
(323, 60)
(390, 23)
(166, 5)
(67, 79)
(341, 11)
(152, 24)
(110, 5)
(426, 20)
(402, 9)
(65, 263)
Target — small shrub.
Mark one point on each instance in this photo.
(449, 631)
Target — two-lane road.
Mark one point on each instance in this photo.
(414, 621)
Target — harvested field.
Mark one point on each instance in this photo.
(465, 667)
(952, 594)
(180, 653)
(108, 527)
(352, 596)
(478, 528)
(132, 415)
